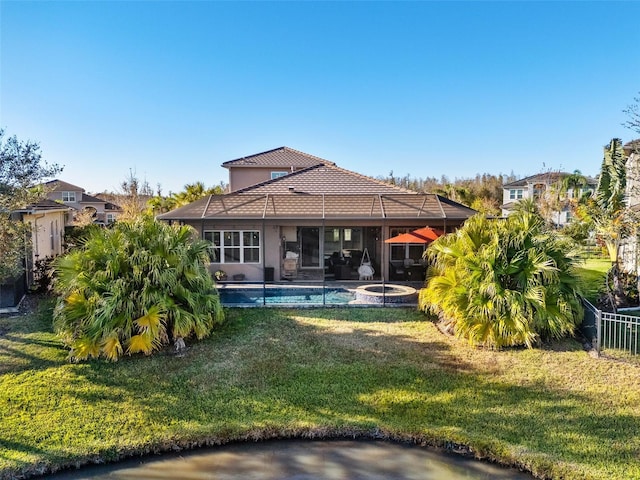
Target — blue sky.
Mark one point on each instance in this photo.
(170, 90)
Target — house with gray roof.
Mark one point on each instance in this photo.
(101, 211)
(543, 184)
(317, 222)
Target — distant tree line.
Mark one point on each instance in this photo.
(482, 192)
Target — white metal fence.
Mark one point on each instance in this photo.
(611, 331)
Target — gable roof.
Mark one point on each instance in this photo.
(107, 205)
(282, 157)
(60, 186)
(325, 179)
(252, 206)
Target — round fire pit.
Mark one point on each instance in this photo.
(377, 293)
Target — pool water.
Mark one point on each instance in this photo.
(286, 295)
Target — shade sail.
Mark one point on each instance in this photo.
(421, 235)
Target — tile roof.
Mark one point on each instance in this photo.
(60, 186)
(90, 199)
(283, 157)
(321, 206)
(107, 205)
(325, 179)
(45, 205)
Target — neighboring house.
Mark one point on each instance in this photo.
(545, 184)
(74, 197)
(628, 252)
(316, 223)
(47, 220)
(247, 171)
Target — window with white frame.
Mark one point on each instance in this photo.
(110, 217)
(278, 174)
(68, 196)
(234, 246)
(515, 194)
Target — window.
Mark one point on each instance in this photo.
(278, 174)
(110, 217)
(234, 246)
(68, 196)
(515, 194)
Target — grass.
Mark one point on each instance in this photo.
(319, 373)
(592, 275)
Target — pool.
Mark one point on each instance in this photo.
(286, 295)
(316, 295)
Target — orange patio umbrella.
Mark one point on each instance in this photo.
(421, 235)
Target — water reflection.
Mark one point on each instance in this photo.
(301, 460)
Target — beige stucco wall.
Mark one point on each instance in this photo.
(245, 177)
(47, 233)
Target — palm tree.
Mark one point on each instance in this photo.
(133, 289)
(160, 204)
(608, 209)
(526, 205)
(502, 282)
(195, 191)
(574, 183)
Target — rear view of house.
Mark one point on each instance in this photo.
(319, 222)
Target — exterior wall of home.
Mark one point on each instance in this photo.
(506, 194)
(57, 197)
(241, 177)
(633, 180)
(274, 232)
(561, 217)
(47, 233)
(269, 255)
(76, 206)
(628, 251)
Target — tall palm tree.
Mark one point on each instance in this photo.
(134, 288)
(609, 197)
(502, 282)
(574, 183)
(195, 191)
(609, 209)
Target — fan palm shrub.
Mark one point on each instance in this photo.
(134, 288)
(503, 282)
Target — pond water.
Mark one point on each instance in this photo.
(301, 460)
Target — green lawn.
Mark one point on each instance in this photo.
(592, 274)
(316, 373)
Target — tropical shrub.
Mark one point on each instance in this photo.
(503, 282)
(134, 288)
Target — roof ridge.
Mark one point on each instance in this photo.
(538, 175)
(63, 184)
(283, 148)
